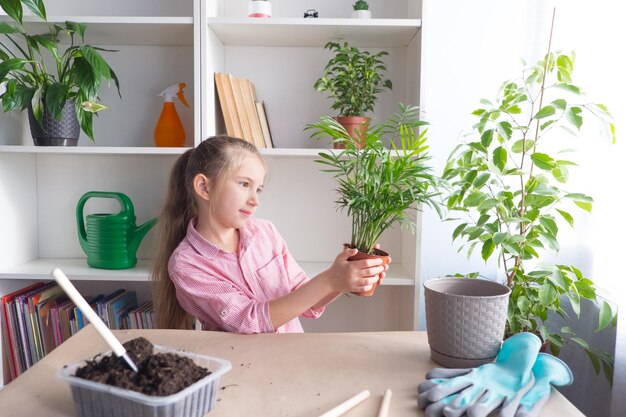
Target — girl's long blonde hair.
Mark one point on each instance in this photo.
(217, 158)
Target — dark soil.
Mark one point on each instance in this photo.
(160, 374)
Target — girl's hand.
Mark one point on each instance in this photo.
(355, 276)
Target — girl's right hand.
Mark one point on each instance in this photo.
(354, 276)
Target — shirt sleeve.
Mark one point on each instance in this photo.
(297, 276)
(214, 300)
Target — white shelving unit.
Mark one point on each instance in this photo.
(161, 43)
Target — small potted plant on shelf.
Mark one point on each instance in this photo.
(361, 10)
(259, 8)
(508, 188)
(58, 88)
(380, 187)
(353, 78)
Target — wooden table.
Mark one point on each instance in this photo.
(283, 375)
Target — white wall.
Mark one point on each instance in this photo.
(468, 49)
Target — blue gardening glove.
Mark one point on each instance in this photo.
(548, 371)
(479, 391)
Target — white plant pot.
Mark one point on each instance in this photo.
(361, 14)
(259, 9)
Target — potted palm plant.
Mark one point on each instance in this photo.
(59, 88)
(353, 78)
(508, 188)
(380, 187)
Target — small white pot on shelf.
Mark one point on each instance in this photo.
(259, 8)
(361, 14)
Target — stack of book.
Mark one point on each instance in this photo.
(38, 318)
(244, 116)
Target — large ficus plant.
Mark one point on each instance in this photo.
(508, 188)
(37, 73)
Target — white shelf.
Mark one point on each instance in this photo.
(121, 150)
(77, 269)
(91, 150)
(373, 33)
(122, 30)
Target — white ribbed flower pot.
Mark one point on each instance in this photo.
(259, 9)
(465, 320)
(361, 14)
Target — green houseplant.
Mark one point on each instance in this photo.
(353, 79)
(40, 77)
(361, 10)
(380, 187)
(508, 186)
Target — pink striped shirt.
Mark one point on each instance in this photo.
(231, 291)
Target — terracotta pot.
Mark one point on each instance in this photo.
(361, 255)
(356, 126)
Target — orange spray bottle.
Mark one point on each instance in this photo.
(169, 130)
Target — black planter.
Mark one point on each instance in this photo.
(52, 132)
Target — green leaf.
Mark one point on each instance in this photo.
(77, 28)
(560, 173)
(559, 104)
(543, 161)
(487, 250)
(547, 294)
(605, 316)
(55, 98)
(499, 157)
(557, 278)
(585, 206)
(522, 145)
(573, 116)
(486, 138)
(582, 342)
(545, 112)
(13, 8)
(487, 204)
(481, 180)
(594, 361)
(458, 230)
(92, 107)
(504, 129)
(569, 87)
(98, 65)
(37, 7)
(5, 28)
(499, 237)
(549, 224)
(568, 217)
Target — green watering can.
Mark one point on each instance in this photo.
(110, 240)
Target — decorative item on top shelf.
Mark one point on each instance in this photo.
(59, 105)
(353, 78)
(169, 130)
(465, 320)
(380, 187)
(506, 184)
(361, 10)
(311, 13)
(259, 8)
(110, 240)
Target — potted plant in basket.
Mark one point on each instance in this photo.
(508, 186)
(59, 88)
(380, 187)
(353, 78)
(361, 10)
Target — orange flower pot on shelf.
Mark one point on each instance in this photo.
(356, 126)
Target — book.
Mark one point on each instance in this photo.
(249, 99)
(48, 291)
(221, 95)
(118, 308)
(230, 105)
(101, 306)
(46, 322)
(265, 127)
(11, 332)
(241, 109)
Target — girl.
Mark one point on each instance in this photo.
(233, 272)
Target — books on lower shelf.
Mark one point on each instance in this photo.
(38, 318)
(244, 116)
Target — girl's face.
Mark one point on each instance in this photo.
(239, 198)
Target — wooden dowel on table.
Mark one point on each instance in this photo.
(346, 405)
(384, 405)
